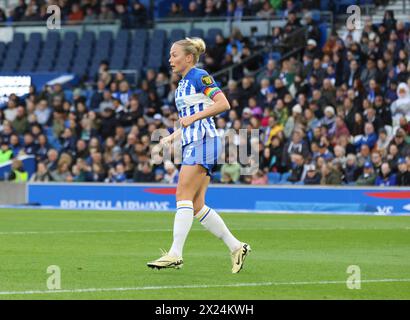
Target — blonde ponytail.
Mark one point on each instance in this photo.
(194, 46)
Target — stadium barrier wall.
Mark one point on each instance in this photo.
(277, 199)
(12, 193)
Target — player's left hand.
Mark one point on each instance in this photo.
(187, 121)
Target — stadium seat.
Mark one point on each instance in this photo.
(16, 45)
(135, 60)
(341, 5)
(106, 35)
(87, 40)
(159, 35)
(198, 33)
(52, 37)
(35, 36)
(122, 39)
(284, 178)
(70, 36)
(217, 177)
(316, 15)
(273, 55)
(324, 5)
(211, 34)
(140, 37)
(19, 37)
(176, 34)
(323, 28)
(273, 177)
(44, 64)
(2, 50)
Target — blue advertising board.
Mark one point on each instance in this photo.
(283, 199)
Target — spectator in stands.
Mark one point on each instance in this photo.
(18, 173)
(95, 174)
(171, 172)
(76, 15)
(117, 174)
(176, 11)
(403, 175)
(20, 123)
(298, 169)
(351, 171)
(230, 171)
(377, 161)
(259, 178)
(6, 154)
(368, 177)
(330, 175)
(193, 10)
(387, 177)
(401, 106)
(42, 174)
(19, 10)
(312, 176)
(312, 31)
(266, 12)
(144, 173)
(369, 138)
(106, 14)
(295, 145)
(400, 142)
(10, 112)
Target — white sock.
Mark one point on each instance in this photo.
(182, 224)
(214, 223)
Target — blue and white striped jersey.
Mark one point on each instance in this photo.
(194, 94)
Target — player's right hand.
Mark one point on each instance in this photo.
(166, 141)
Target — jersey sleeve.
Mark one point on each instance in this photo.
(207, 85)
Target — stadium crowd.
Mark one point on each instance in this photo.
(338, 115)
(133, 13)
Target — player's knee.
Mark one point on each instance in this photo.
(183, 194)
(198, 205)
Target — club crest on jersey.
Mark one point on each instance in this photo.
(207, 80)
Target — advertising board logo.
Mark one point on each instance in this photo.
(384, 211)
(407, 207)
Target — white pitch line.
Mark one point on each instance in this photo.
(81, 231)
(200, 286)
(2, 233)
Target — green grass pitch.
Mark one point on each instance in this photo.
(103, 255)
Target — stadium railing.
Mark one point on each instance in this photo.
(293, 45)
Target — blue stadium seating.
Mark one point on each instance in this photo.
(284, 178)
(70, 36)
(140, 37)
(122, 39)
(323, 34)
(211, 34)
(36, 37)
(217, 177)
(2, 51)
(52, 36)
(274, 177)
(176, 34)
(19, 37)
(118, 57)
(198, 33)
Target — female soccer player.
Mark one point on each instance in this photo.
(197, 99)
